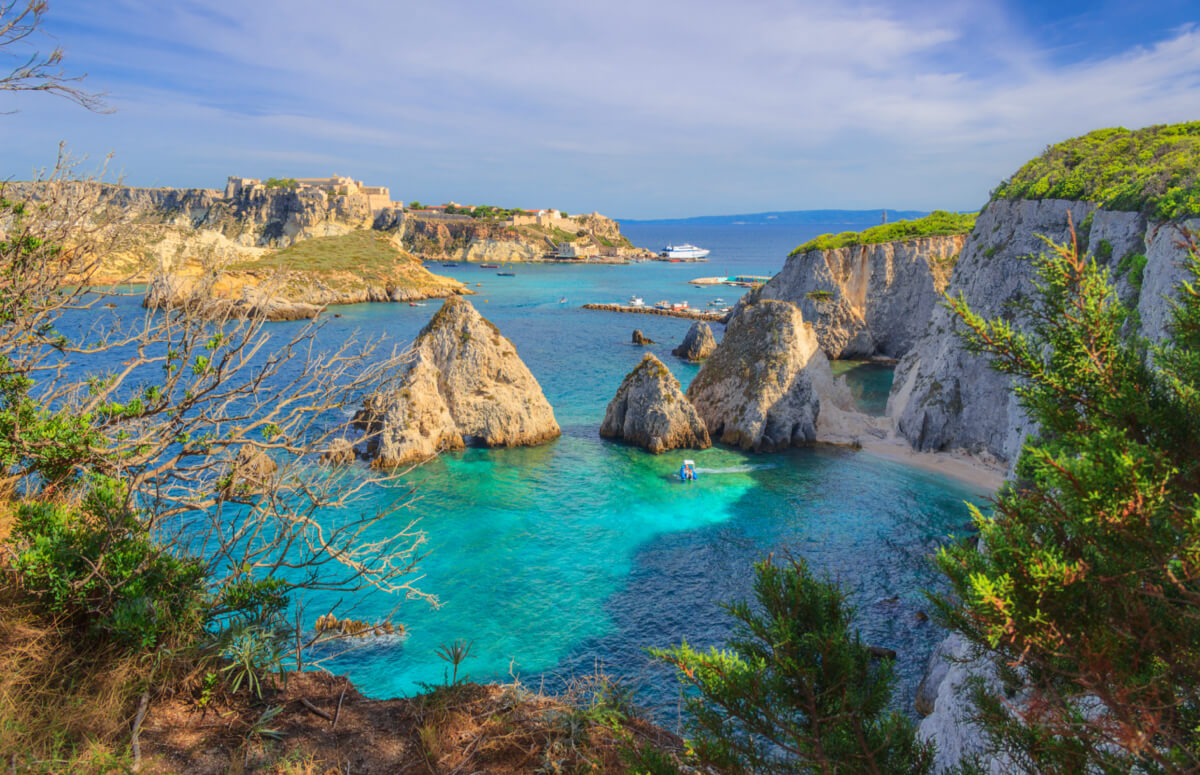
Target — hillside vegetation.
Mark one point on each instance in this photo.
(1155, 170)
(939, 223)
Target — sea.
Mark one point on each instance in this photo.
(573, 558)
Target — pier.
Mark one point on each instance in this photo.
(687, 314)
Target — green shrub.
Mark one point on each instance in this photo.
(1155, 170)
(936, 224)
(1132, 265)
(819, 297)
(1088, 591)
(796, 690)
(280, 183)
(96, 568)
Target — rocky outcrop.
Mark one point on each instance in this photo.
(697, 344)
(299, 281)
(757, 389)
(866, 300)
(944, 398)
(641, 339)
(650, 410)
(466, 385)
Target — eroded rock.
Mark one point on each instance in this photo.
(757, 389)
(651, 411)
(465, 386)
(640, 338)
(698, 344)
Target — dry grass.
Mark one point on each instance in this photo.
(60, 710)
(467, 728)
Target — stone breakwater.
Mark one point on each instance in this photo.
(687, 314)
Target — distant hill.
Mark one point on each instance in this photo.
(858, 218)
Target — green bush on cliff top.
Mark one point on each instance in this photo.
(1155, 170)
(939, 223)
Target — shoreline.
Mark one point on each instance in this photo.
(957, 465)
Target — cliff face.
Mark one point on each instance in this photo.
(466, 385)
(866, 300)
(944, 398)
(650, 410)
(757, 389)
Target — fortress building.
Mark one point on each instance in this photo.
(375, 198)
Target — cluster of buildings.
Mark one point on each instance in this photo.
(374, 198)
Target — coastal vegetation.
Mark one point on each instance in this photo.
(1087, 594)
(795, 689)
(1155, 171)
(280, 183)
(939, 223)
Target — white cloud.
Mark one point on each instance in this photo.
(656, 105)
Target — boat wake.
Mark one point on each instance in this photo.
(742, 469)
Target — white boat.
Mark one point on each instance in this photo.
(636, 301)
(683, 251)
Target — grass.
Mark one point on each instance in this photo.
(939, 223)
(1155, 171)
(362, 251)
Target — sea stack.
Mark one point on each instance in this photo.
(465, 386)
(650, 410)
(758, 390)
(698, 344)
(640, 338)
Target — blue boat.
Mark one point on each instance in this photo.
(687, 471)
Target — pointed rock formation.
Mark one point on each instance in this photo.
(650, 410)
(465, 386)
(759, 389)
(698, 344)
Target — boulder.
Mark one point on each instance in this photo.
(757, 390)
(640, 338)
(340, 452)
(698, 344)
(650, 410)
(466, 385)
(250, 473)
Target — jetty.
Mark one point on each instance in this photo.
(742, 280)
(688, 314)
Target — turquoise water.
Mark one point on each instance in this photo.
(555, 558)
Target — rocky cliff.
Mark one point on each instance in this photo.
(866, 300)
(943, 397)
(466, 386)
(757, 389)
(650, 410)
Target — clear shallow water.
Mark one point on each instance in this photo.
(553, 558)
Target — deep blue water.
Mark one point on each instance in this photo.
(556, 558)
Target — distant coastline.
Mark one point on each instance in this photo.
(847, 217)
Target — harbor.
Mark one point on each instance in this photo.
(673, 312)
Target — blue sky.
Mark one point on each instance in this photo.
(636, 109)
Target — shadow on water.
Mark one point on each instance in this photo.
(871, 528)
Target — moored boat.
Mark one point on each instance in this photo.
(683, 251)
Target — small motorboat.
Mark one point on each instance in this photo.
(489, 266)
(449, 265)
(563, 300)
(415, 304)
(687, 471)
(506, 274)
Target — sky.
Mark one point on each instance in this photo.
(634, 108)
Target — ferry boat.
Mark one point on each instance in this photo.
(683, 251)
